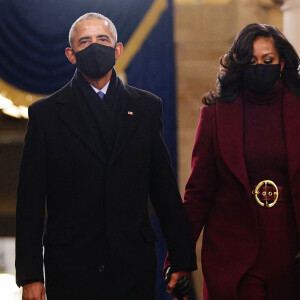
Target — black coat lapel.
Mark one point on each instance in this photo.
(74, 113)
(129, 116)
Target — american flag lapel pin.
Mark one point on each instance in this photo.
(130, 113)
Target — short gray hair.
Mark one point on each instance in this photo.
(93, 16)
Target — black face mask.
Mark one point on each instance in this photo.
(260, 78)
(96, 60)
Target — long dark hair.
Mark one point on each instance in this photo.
(229, 79)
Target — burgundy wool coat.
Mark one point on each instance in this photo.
(218, 195)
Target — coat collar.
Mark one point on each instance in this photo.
(74, 113)
(129, 117)
(230, 135)
(230, 138)
(291, 119)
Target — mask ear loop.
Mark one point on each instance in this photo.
(282, 60)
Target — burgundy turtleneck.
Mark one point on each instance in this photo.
(264, 141)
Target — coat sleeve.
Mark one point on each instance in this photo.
(31, 197)
(167, 202)
(203, 181)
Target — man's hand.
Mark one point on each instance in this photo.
(34, 291)
(183, 286)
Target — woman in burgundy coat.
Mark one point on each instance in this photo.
(244, 188)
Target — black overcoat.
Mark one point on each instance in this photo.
(95, 172)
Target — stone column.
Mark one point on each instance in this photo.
(291, 22)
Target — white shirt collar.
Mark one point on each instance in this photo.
(103, 90)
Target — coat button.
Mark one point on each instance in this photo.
(101, 268)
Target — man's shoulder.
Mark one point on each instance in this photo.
(142, 94)
(47, 101)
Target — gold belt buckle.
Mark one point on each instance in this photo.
(257, 193)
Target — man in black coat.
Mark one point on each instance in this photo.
(93, 154)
